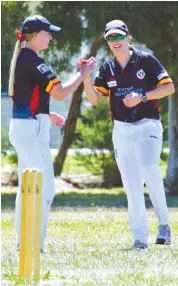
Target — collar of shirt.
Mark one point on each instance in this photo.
(132, 60)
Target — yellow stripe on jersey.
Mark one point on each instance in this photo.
(102, 89)
(51, 83)
(163, 81)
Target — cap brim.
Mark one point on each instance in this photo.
(54, 29)
(115, 31)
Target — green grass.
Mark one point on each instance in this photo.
(89, 243)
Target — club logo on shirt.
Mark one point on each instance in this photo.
(43, 68)
(141, 74)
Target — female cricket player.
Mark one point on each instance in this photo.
(31, 83)
(134, 81)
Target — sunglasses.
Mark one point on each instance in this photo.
(118, 37)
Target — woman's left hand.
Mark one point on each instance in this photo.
(57, 119)
(132, 99)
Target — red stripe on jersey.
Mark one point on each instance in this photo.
(35, 99)
(110, 106)
(11, 98)
(156, 104)
(110, 78)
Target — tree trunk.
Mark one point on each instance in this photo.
(171, 181)
(73, 115)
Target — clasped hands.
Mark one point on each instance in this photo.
(85, 67)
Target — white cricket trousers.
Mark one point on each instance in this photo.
(137, 152)
(30, 138)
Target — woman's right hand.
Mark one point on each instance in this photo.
(85, 67)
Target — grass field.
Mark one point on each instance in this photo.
(89, 243)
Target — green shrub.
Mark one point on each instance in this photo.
(5, 143)
(101, 164)
(164, 156)
(94, 131)
(6, 146)
(94, 128)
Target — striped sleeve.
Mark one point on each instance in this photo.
(158, 72)
(44, 77)
(51, 84)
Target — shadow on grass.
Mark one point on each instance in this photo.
(77, 200)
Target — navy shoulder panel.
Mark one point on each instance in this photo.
(146, 58)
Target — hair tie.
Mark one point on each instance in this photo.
(20, 36)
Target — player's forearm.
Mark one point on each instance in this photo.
(161, 91)
(71, 85)
(91, 93)
(59, 91)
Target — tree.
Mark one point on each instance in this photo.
(68, 41)
(12, 14)
(73, 115)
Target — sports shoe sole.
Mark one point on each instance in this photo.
(162, 241)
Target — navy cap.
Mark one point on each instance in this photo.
(37, 23)
(116, 27)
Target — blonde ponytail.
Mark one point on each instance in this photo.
(16, 53)
(131, 42)
(18, 47)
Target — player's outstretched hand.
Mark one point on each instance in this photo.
(86, 66)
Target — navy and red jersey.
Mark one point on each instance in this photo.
(142, 73)
(33, 83)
